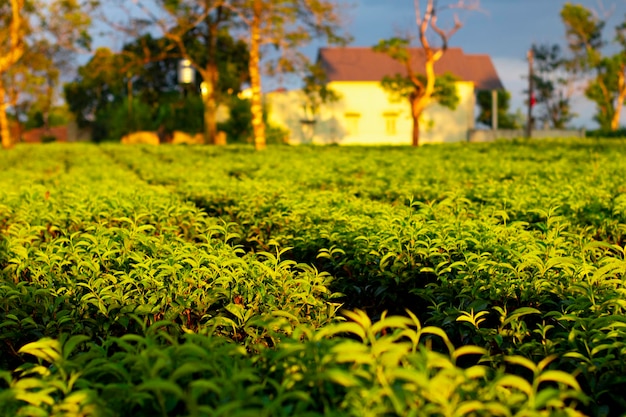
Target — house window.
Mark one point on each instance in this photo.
(352, 123)
(390, 123)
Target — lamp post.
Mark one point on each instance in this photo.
(186, 73)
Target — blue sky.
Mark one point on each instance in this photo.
(504, 29)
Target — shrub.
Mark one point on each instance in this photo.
(611, 134)
(48, 138)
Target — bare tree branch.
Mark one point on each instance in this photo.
(445, 35)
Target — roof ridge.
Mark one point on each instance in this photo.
(360, 63)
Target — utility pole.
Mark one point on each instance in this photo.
(531, 95)
(494, 109)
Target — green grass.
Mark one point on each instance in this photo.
(482, 279)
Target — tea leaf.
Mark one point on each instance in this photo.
(514, 381)
(46, 349)
(558, 376)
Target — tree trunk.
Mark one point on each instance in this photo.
(129, 92)
(210, 78)
(16, 45)
(209, 102)
(621, 88)
(16, 50)
(258, 126)
(416, 131)
(422, 94)
(47, 105)
(5, 131)
(415, 113)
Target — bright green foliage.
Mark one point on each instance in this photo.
(607, 79)
(400, 88)
(552, 87)
(420, 85)
(238, 126)
(198, 281)
(607, 88)
(583, 31)
(145, 73)
(97, 83)
(396, 48)
(37, 43)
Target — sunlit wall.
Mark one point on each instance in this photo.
(365, 115)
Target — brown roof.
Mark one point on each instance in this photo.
(363, 64)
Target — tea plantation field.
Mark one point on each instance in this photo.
(453, 280)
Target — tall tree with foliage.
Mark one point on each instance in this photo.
(422, 86)
(607, 87)
(145, 72)
(147, 68)
(506, 120)
(31, 83)
(99, 82)
(285, 25)
(42, 32)
(47, 60)
(197, 34)
(114, 93)
(552, 85)
(196, 29)
(11, 50)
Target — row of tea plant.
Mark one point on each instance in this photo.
(192, 281)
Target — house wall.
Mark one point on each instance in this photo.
(365, 116)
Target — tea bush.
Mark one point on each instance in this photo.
(482, 279)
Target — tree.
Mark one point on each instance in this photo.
(286, 25)
(506, 120)
(145, 71)
(31, 83)
(57, 115)
(35, 39)
(553, 89)
(583, 32)
(11, 50)
(142, 70)
(423, 88)
(608, 91)
(23, 83)
(607, 87)
(203, 23)
(47, 61)
(619, 62)
(98, 83)
(316, 93)
(195, 28)
(116, 93)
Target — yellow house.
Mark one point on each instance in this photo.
(365, 114)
